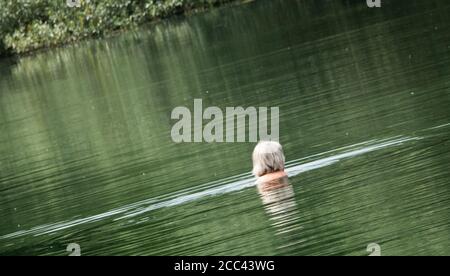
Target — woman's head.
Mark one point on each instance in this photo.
(268, 157)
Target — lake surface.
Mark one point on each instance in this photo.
(86, 154)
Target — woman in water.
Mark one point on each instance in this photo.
(276, 192)
(268, 162)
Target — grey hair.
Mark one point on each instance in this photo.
(268, 157)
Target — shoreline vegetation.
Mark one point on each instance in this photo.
(30, 25)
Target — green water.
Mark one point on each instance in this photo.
(86, 154)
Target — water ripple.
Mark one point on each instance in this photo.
(218, 187)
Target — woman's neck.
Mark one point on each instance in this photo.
(272, 176)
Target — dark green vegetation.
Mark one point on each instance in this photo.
(29, 25)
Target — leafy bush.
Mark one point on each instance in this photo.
(27, 25)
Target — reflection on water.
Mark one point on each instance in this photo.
(86, 155)
(278, 198)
